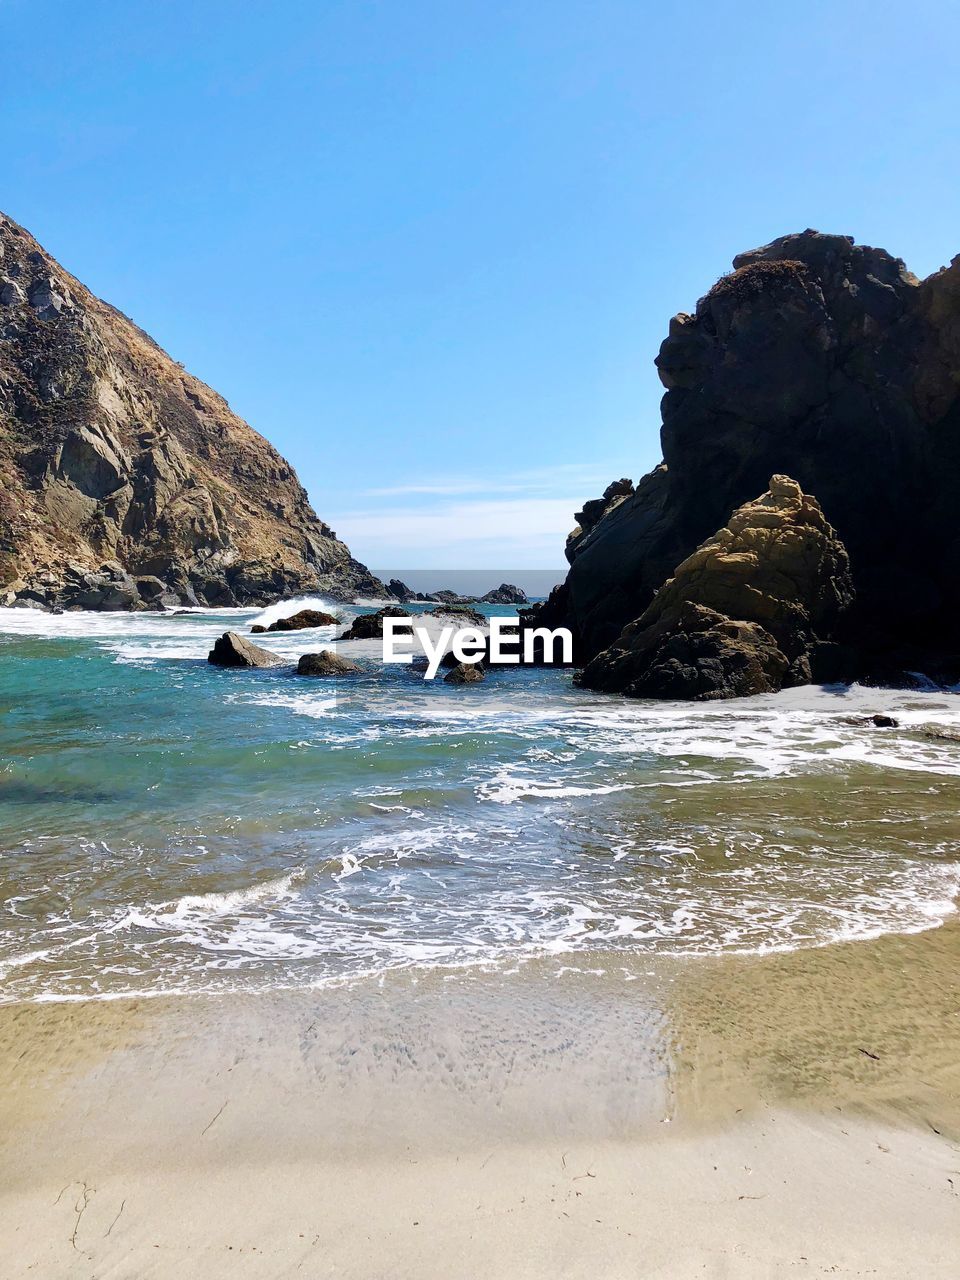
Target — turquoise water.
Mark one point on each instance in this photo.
(168, 826)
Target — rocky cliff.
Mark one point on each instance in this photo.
(124, 481)
(826, 361)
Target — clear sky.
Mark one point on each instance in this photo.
(430, 247)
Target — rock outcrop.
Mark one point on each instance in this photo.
(827, 361)
(369, 626)
(124, 481)
(745, 613)
(326, 663)
(233, 650)
(304, 620)
(506, 593)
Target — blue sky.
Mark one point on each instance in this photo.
(430, 249)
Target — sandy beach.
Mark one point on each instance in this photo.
(745, 1116)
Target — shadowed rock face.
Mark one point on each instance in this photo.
(112, 455)
(743, 614)
(825, 361)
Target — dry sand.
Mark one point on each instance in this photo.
(775, 1116)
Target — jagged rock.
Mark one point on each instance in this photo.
(233, 650)
(462, 614)
(506, 593)
(302, 621)
(466, 673)
(400, 591)
(109, 450)
(827, 361)
(369, 626)
(326, 663)
(592, 513)
(742, 613)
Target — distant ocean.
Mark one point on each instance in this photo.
(537, 583)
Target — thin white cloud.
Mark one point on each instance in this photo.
(543, 480)
(525, 532)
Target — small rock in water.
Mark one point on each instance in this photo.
(465, 673)
(369, 626)
(884, 722)
(326, 663)
(301, 621)
(233, 650)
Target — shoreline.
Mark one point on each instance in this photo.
(731, 1116)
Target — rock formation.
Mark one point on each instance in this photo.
(301, 621)
(127, 483)
(233, 650)
(506, 593)
(829, 362)
(745, 613)
(369, 626)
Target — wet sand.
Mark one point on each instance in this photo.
(756, 1116)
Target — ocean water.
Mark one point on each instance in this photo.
(166, 826)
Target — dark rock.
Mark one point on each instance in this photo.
(466, 673)
(233, 650)
(742, 613)
(369, 626)
(326, 663)
(827, 361)
(884, 722)
(463, 614)
(506, 593)
(592, 513)
(302, 621)
(400, 591)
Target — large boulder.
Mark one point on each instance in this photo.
(369, 626)
(233, 650)
(326, 663)
(745, 613)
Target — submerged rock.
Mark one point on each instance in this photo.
(742, 614)
(462, 614)
(233, 650)
(466, 673)
(326, 663)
